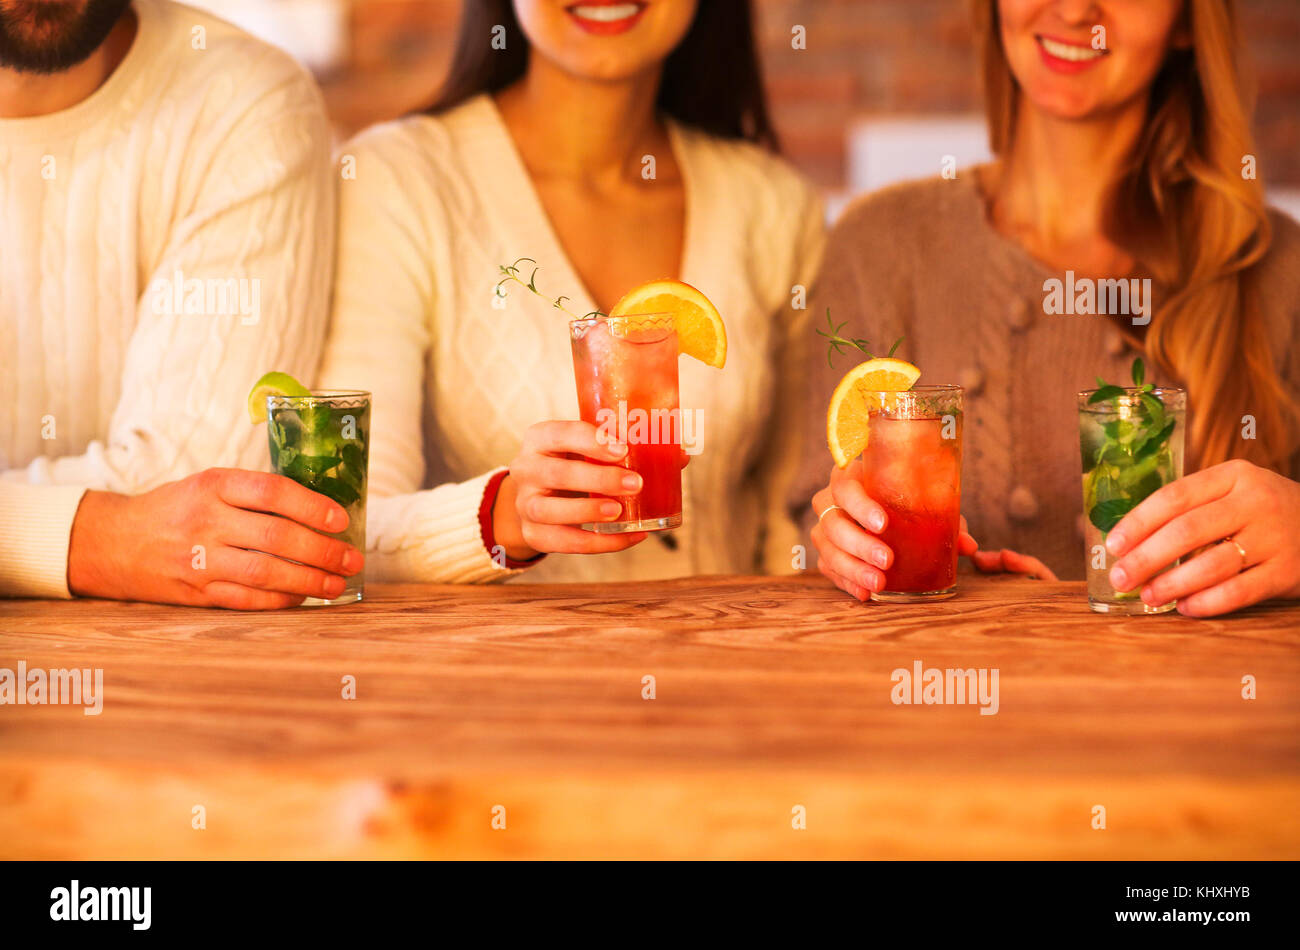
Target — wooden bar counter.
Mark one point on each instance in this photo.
(513, 722)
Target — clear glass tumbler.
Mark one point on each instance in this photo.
(322, 442)
(912, 468)
(626, 370)
(1131, 446)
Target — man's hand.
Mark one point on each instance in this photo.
(221, 538)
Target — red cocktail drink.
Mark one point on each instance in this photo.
(626, 369)
(912, 468)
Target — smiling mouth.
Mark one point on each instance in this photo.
(605, 13)
(1070, 52)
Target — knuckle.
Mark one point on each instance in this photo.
(274, 536)
(255, 572)
(547, 473)
(209, 480)
(535, 508)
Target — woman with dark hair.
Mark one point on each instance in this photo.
(1121, 133)
(614, 143)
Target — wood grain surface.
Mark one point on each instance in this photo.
(771, 696)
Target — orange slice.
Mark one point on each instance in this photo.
(700, 332)
(857, 394)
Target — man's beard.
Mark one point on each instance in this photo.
(50, 36)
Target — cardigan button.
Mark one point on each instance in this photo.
(1018, 315)
(1022, 505)
(971, 379)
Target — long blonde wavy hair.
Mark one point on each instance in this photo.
(1183, 209)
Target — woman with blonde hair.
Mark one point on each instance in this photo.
(1123, 150)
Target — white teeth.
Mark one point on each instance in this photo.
(1075, 54)
(619, 11)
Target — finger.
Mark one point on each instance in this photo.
(262, 491)
(1017, 563)
(258, 571)
(556, 474)
(563, 539)
(1241, 590)
(849, 494)
(1174, 539)
(1183, 495)
(1207, 569)
(560, 436)
(987, 562)
(966, 543)
(552, 509)
(849, 587)
(237, 597)
(847, 535)
(844, 564)
(288, 539)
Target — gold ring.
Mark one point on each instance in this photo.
(1240, 550)
(828, 511)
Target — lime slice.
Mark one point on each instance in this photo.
(272, 384)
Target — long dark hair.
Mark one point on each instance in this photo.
(711, 81)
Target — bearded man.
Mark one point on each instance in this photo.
(166, 237)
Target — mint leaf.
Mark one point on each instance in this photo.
(1139, 371)
(316, 464)
(1153, 443)
(1104, 393)
(337, 489)
(1106, 514)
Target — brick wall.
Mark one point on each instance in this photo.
(864, 57)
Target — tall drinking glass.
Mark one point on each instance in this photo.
(1131, 445)
(626, 370)
(322, 442)
(912, 468)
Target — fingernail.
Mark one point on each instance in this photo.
(334, 585)
(336, 520)
(1149, 597)
(879, 558)
(876, 521)
(632, 482)
(1118, 579)
(871, 580)
(610, 509)
(1115, 542)
(352, 561)
(617, 449)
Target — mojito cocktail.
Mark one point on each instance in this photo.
(1131, 444)
(322, 442)
(626, 369)
(911, 466)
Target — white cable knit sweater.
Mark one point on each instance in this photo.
(205, 155)
(436, 205)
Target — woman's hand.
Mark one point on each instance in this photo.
(1257, 509)
(1008, 561)
(543, 500)
(221, 538)
(849, 549)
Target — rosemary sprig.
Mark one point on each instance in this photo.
(836, 344)
(511, 272)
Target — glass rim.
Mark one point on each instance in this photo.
(927, 388)
(606, 318)
(317, 395)
(1137, 391)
